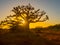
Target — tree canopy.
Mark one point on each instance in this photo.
(23, 14)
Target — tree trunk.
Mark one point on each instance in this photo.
(27, 26)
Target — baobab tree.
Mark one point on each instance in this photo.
(29, 14)
(26, 15)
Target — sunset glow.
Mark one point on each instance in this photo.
(51, 7)
(41, 24)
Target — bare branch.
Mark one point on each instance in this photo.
(27, 13)
(38, 20)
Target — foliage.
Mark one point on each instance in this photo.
(55, 27)
(23, 16)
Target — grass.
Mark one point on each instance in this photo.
(20, 38)
(30, 37)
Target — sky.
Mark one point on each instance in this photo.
(51, 7)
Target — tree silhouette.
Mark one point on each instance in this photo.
(25, 13)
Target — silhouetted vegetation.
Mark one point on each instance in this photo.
(39, 36)
(23, 16)
(14, 30)
(55, 27)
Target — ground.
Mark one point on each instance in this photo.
(25, 38)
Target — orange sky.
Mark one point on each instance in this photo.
(40, 24)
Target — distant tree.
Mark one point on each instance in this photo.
(26, 13)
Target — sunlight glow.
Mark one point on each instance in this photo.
(23, 21)
(5, 23)
(23, 15)
(6, 27)
(40, 24)
(19, 17)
